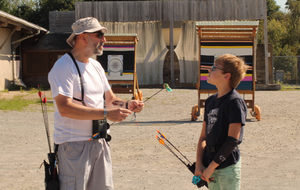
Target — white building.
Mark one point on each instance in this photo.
(13, 31)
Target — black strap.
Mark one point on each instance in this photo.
(55, 148)
(106, 136)
(82, 90)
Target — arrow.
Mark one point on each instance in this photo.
(43, 100)
(165, 86)
(161, 141)
(164, 137)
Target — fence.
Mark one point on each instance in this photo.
(286, 69)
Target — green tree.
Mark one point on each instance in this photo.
(293, 26)
(44, 6)
(4, 5)
(277, 35)
(289, 3)
(273, 13)
(272, 9)
(25, 10)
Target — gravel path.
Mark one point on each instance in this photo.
(270, 150)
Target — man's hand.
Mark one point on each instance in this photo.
(117, 114)
(135, 106)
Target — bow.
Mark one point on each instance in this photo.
(191, 166)
(133, 119)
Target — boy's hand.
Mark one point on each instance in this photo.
(209, 171)
(199, 170)
(206, 175)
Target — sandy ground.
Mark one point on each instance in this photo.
(270, 149)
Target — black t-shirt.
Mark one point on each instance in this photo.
(219, 113)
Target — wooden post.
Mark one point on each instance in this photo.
(266, 48)
(135, 83)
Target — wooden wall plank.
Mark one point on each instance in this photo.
(155, 6)
(201, 10)
(61, 21)
(192, 8)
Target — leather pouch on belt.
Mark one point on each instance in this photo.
(100, 129)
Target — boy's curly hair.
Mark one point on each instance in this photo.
(235, 66)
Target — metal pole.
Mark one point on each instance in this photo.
(172, 51)
(172, 44)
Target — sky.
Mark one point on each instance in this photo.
(281, 3)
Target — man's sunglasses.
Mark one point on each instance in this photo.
(215, 67)
(100, 34)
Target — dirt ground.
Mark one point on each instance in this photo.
(270, 148)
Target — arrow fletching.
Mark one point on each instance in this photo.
(161, 141)
(161, 135)
(167, 87)
(44, 100)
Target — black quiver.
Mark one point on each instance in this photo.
(51, 171)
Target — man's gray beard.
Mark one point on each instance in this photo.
(98, 52)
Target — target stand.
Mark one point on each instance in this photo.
(119, 62)
(233, 37)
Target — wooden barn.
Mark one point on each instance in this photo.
(40, 53)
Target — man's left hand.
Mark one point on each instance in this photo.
(135, 106)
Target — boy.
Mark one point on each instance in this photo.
(218, 155)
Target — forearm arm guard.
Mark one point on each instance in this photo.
(226, 149)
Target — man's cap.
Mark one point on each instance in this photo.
(88, 24)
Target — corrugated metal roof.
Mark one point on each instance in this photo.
(21, 21)
(227, 23)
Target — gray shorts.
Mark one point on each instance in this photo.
(85, 165)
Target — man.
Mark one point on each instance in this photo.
(83, 163)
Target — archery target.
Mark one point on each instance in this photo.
(118, 62)
(115, 65)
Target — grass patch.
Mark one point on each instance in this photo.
(6, 90)
(287, 87)
(17, 103)
(30, 90)
(34, 90)
(147, 98)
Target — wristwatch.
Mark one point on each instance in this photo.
(105, 113)
(126, 106)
